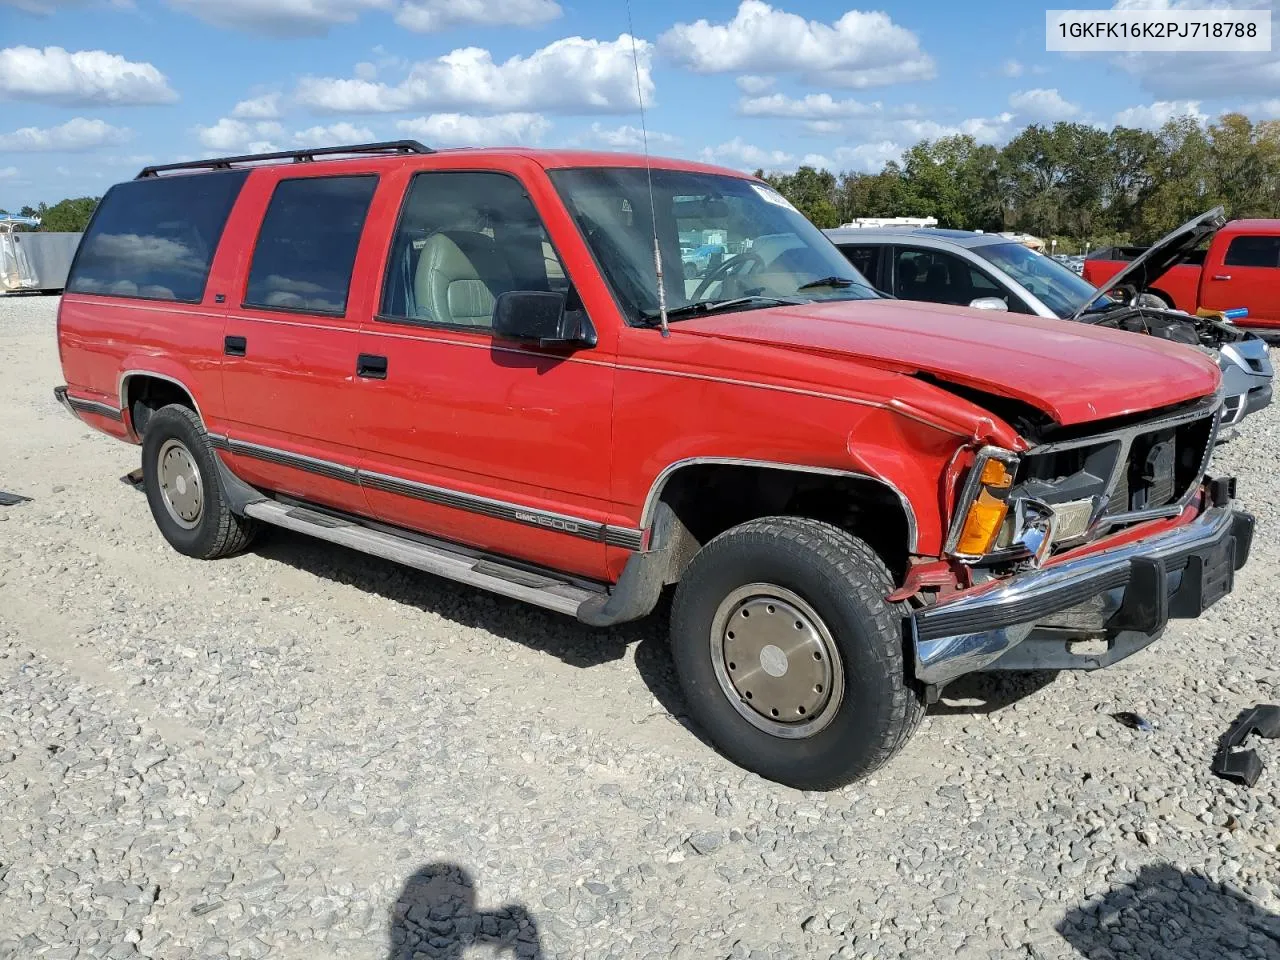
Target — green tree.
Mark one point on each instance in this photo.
(812, 192)
(67, 216)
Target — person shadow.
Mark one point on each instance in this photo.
(1169, 914)
(435, 917)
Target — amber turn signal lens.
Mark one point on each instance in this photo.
(996, 474)
(982, 524)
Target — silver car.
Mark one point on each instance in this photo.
(991, 272)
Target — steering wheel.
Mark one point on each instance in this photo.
(722, 272)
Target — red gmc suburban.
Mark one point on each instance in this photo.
(489, 365)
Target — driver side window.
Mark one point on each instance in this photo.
(463, 240)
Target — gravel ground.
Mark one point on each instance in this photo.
(304, 752)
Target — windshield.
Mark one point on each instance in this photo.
(1044, 278)
(724, 240)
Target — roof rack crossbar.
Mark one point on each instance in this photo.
(297, 156)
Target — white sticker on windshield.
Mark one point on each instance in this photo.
(773, 196)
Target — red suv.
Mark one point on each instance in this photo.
(491, 366)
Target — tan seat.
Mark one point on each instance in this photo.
(459, 276)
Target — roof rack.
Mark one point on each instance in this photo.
(297, 156)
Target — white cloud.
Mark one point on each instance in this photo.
(44, 7)
(625, 137)
(1184, 75)
(463, 129)
(1266, 109)
(869, 157)
(994, 130)
(282, 18)
(1153, 116)
(265, 107)
(279, 17)
(8, 173)
(746, 156)
(573, 75)
(84, 77)
(1012, 68)
(430, 15)
(814, 106)
(231, 134)
(866, 157)
(753, 85)
(76, 134)
(332, 135)
(1043, 106)
(860, 49)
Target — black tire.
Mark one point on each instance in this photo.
(216, 531)
(845, 583)
(1154, 301)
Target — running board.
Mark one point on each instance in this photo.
(487, 574)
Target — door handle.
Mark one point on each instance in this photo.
(371, 366)
(1222, 276)
(234, 346)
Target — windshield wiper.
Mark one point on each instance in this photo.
(715, 306)
(832, 282)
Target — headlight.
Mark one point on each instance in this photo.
(983, 504)
(989, 524)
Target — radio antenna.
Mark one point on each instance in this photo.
(653, 215)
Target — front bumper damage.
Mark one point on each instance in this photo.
(1121, 597)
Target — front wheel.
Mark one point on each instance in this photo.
(789, 655)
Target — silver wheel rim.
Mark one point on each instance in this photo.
(776, 661)
(180, 486)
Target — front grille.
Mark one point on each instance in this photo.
(1161, 467)
(1130, 473)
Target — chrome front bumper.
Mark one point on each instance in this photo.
(1132, 591)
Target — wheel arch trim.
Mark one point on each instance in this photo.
(664, 477)
(123, 392)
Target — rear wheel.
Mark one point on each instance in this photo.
(180, 477)
(790, 658)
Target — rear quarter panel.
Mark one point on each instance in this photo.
(102, 339)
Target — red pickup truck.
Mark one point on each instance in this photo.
(473, 362)
(1240, 268)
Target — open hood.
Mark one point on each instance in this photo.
(1168, 251)
(1075, 373)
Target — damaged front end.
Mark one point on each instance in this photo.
(1078, 550)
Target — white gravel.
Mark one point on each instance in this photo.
(303, 752)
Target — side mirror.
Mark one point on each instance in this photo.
(539, 316)
(988, 303)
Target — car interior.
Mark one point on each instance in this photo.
(460, 245)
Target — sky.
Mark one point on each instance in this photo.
(92, 90)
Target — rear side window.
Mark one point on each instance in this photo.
(154, 239)
(865, 259)
(1253, 252)
(307, 246)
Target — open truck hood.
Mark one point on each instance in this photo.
(1167, 252)
(1073, 372)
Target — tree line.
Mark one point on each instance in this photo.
(66, 216)
(1070, 181)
